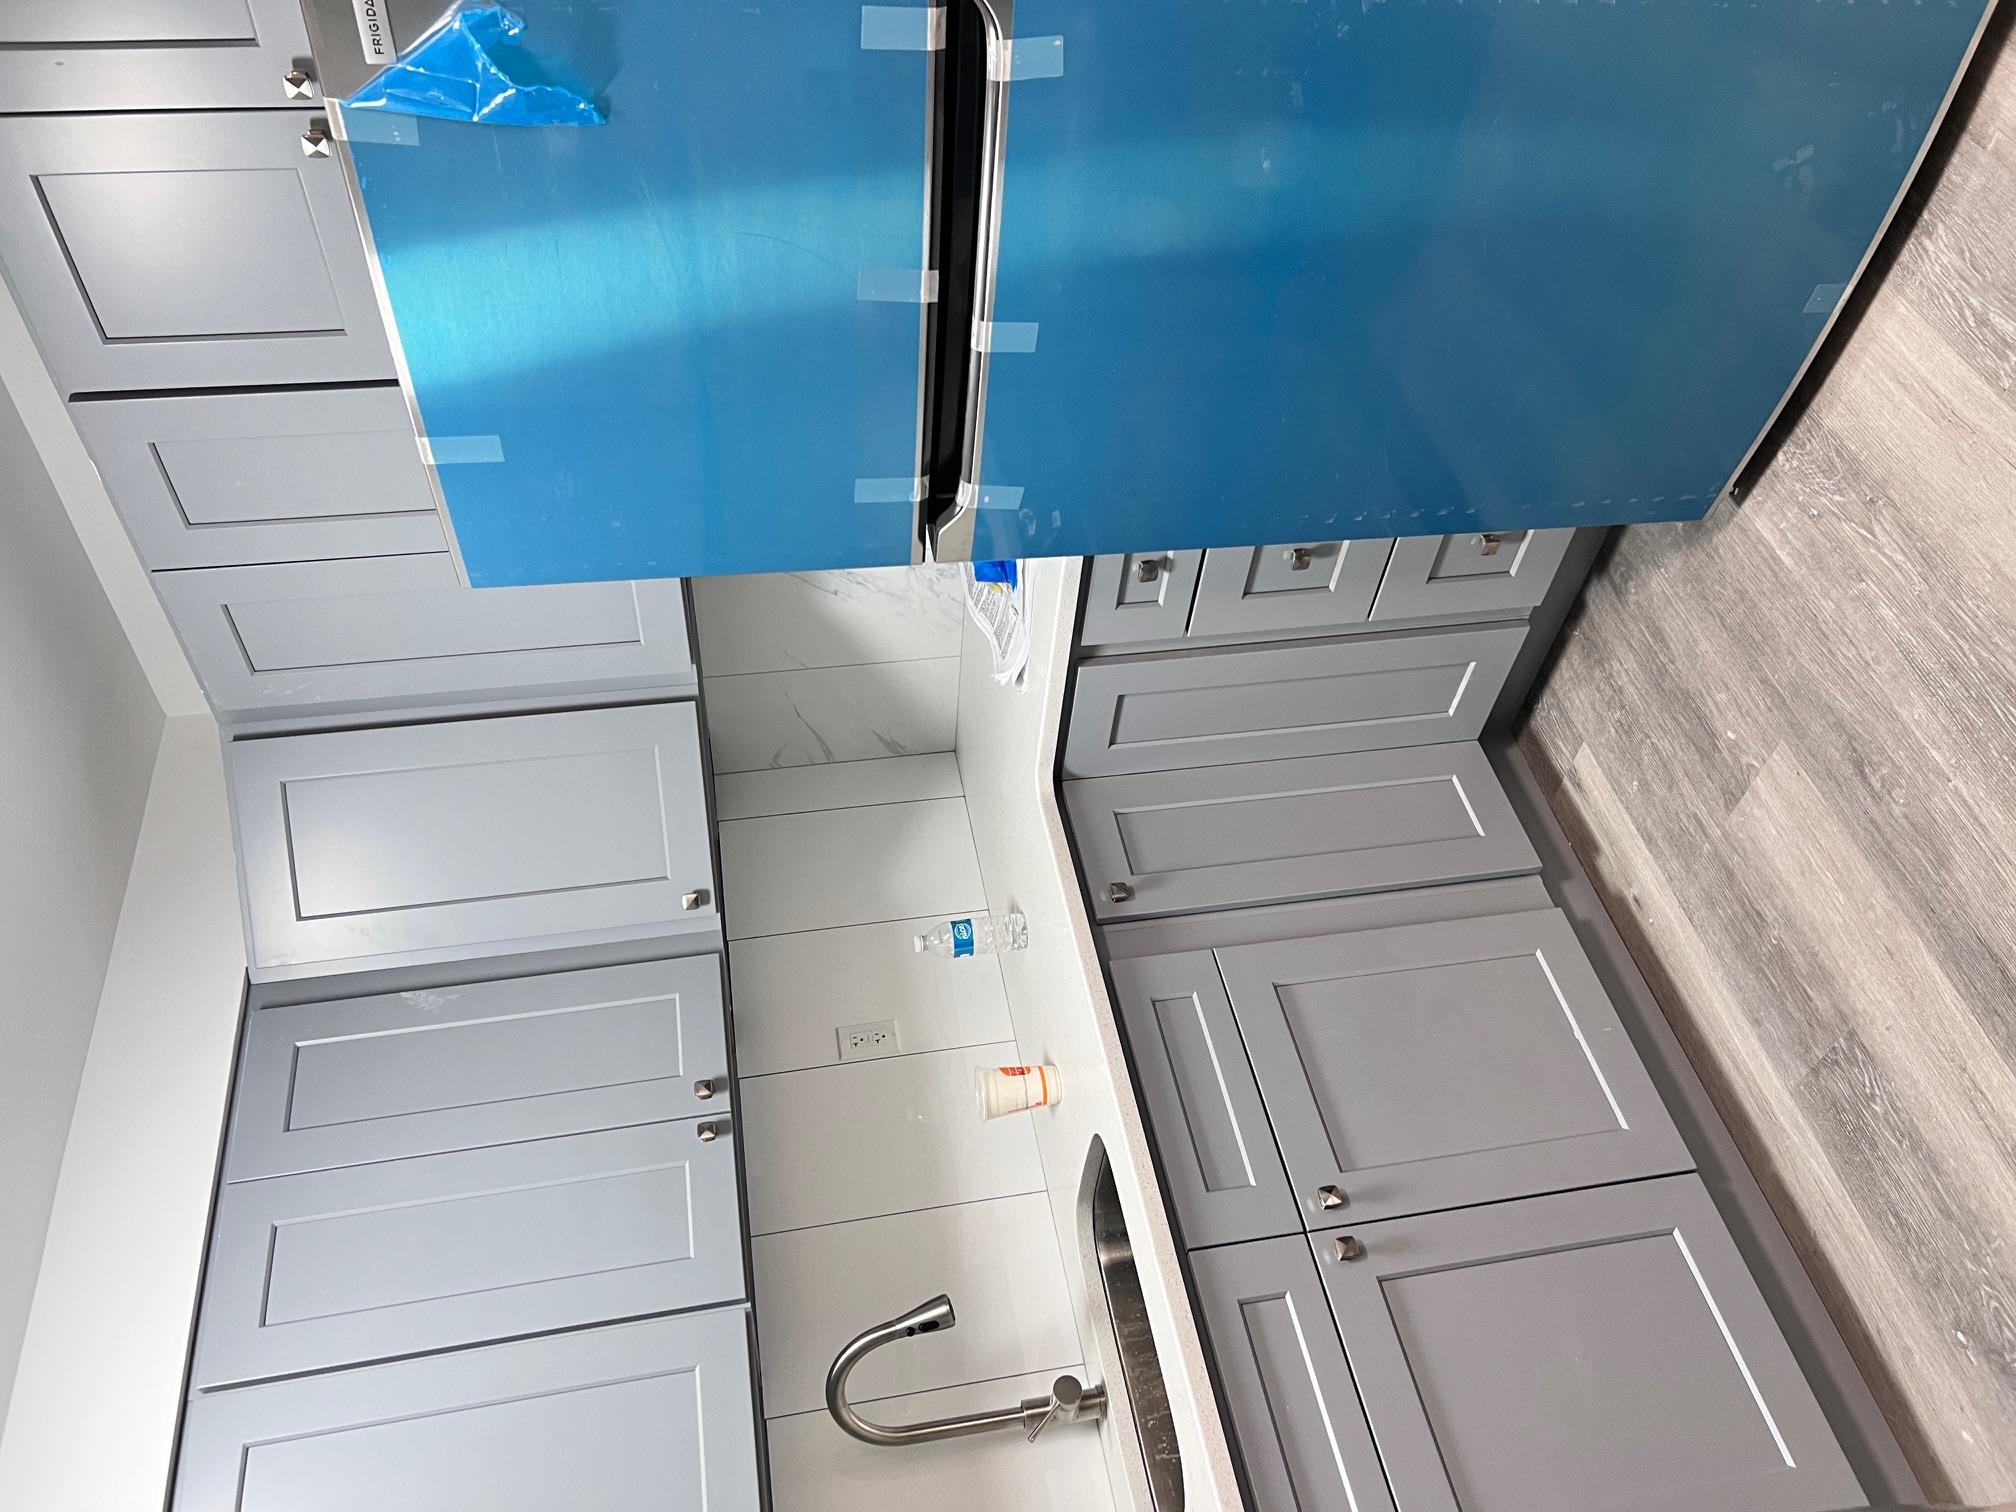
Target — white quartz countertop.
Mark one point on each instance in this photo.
(1063, 1015)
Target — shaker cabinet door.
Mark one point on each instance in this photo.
(1142, 597)
(321, 637)
(1508, 571)
(76, 55)
(186, 251)
(373, 1262)
(655, 1416)
(229, 480)
(1287, 1386)
(437, 842)
(1439, 1065)
(1599, 1350)
(1288, 590)
(1281, 831)
(402, 1074)
(1210, 1128)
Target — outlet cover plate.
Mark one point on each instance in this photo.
(868, 1041)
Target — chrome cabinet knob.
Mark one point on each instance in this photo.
(299, 86)
(315, 141)
(1487, 545)
(1118, 892)
(1349, 1247)
(1299, 558)
(704, 1088)
(709, 1132)
(693, 899)
(1148, 569)
(1329, 1197)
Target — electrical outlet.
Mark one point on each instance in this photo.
(866, 1041)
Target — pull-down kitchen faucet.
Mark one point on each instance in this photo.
(1068, 1402)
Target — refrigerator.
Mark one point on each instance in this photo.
(834, 285)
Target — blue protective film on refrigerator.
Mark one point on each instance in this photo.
(473, 65)
(684, 341)
(1346, 268)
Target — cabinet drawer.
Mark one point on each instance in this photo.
(323, 1085)
(1144, 597)
(1469, 574)
(226, 480)
(1263, 703)
(185, 251)
(306, 637)
(654, 1415)
(438, 842)
(372, 1262)
(1439, 1065)
(1279, 831)
(75, 55)
(1211, 1135)
(1287, 589)
(1598, 1350)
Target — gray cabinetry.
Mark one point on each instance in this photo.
(223, 480)
(653, 1416)
(437, 842)
(1439, 1065)
(1599, 1350)
(287, 638)
(1469, 574)
(1145, 597)
(1276, 831)
(185, 251)
(402, 1074)
(1210, 1128)
(72, 55)
(371, 1262)
(1261, 703)
(1287, 589)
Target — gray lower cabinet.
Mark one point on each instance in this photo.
(416, 843)
(372, 1262)
(75, 55)
(1210, 1128)
(1598, 1350)
(1439, 1065)
(1288, 589)
(230, 479)
(1469, 574)
(402, 1074)
(1144, 597)
(1176, 709)
(185, 251)
(655, 1416)
(303, 637)
(1279, 831)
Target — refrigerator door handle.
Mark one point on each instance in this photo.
(950, 533)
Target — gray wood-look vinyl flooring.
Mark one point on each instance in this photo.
(1784, 742)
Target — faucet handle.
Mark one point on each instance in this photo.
(1067, 1402)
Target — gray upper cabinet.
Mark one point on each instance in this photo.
(305, 637)
(322, 1085)
(75, 55)
(1597, 1350)
(1217, 1153)
(1262, 703)
(481, 837)
(1287, 589)
(1294, 1410)
(654, 1416)
(1439, 1065)
(185, 251)
(373, 1262)
(1145, 597)
(223, 480)
(1279, 831)
(1430, 576)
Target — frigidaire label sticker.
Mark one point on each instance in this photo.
(374, 30)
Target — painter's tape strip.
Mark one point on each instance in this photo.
(1019, 58)
(380, 128)
(898, 285)
(888, 490)
(1824, 298)
(1004, 335)
(903, 28)
(443, 451)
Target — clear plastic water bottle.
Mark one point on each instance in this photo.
(965, 937)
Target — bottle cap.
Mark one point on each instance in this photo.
(918, 944)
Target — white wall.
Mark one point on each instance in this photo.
(79, 726)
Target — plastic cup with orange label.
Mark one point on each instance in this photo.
(1016, 1089)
